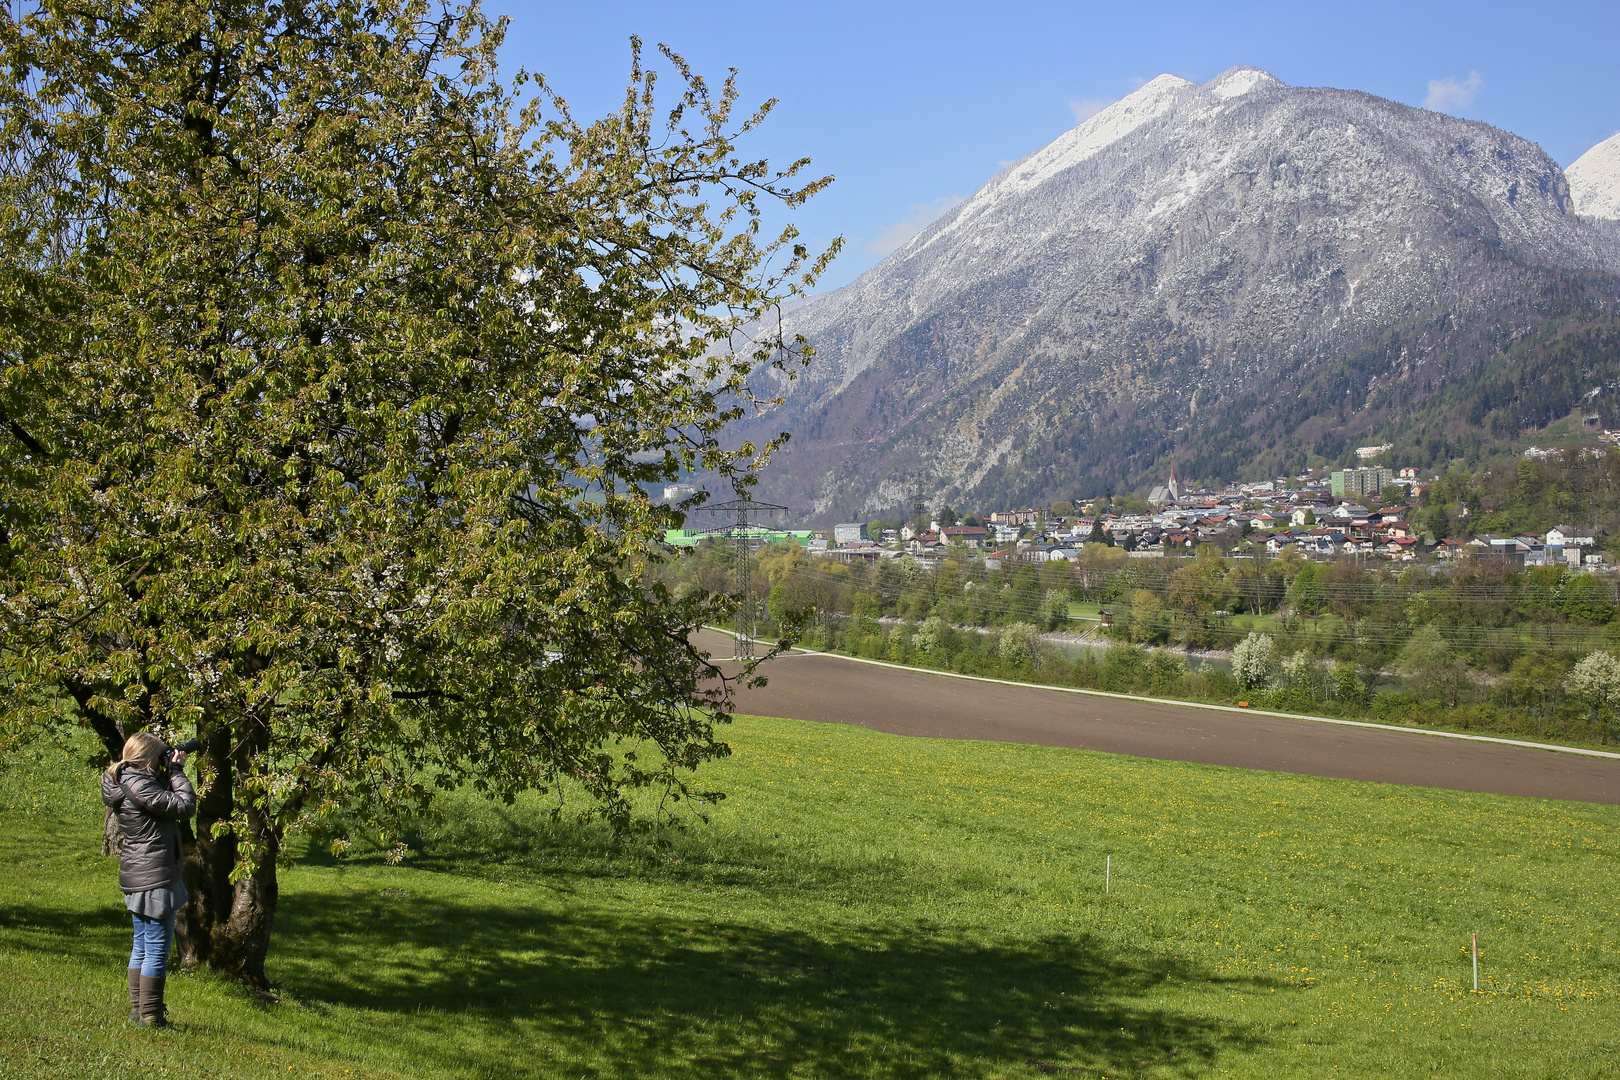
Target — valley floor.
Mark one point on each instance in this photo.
(904, 700)
(867, 905)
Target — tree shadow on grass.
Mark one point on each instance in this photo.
(516, 991)
(484, 840)
(504, 987)
(102, 931)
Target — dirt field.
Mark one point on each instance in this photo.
(908, 702)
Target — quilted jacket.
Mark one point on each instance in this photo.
(149, 808)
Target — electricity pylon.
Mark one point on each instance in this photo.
(740, 529)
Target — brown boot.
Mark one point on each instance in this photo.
(152, 1012)
(135, 995)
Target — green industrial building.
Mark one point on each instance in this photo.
(757, 536)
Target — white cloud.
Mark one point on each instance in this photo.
(1448, 94)
(1087, 108)
(921, 216)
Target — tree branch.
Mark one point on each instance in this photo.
(21, 435)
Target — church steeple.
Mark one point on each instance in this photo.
(1175, 488)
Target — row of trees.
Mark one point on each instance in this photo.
(1432, 672)
(1485, 643)
(1492, 610)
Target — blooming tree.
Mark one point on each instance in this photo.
(1254, 661)
(1595, 682)
(333, 375)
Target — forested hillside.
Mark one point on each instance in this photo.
(1442, 398)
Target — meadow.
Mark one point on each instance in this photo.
(867, 905)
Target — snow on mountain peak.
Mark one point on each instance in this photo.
(1148, 102)
(1235, 82)
(1594, 180)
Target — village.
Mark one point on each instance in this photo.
(1365, 513)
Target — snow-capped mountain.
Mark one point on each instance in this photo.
(1594, 180)
(1191, 252)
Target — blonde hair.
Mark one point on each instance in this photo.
(143, 750)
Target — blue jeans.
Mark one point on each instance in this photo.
(153, 937)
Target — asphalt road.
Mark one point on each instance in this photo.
(909, 702)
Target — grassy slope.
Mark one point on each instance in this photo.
(869, 905)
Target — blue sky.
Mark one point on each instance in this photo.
(912, 106)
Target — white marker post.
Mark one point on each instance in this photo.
(1473, 940)
(1108, 875)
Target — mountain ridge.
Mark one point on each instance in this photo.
(1068, 326)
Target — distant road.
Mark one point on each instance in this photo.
(912, 702)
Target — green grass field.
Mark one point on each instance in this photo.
(1085, 611)
(867, 905)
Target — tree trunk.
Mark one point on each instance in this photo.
(112, 836)
(226, 925)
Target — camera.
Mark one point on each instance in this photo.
(190, 746)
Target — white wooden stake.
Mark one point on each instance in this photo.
(1474, 941)
(1108, 875)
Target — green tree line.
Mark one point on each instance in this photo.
(1484, 645)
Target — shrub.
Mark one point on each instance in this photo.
(1595, 683)
(1345, 687)
(930, 639)
(1394, 707)
(1120, 668)
(1019, 644)
(1165, 671)
(1055, 608)
(1254, 660)
(1433, 669)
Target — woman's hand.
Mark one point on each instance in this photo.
(177, 758)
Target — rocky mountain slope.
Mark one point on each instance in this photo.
(1594, 180)
(1233, 274)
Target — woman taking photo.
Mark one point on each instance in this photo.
(149, 794)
